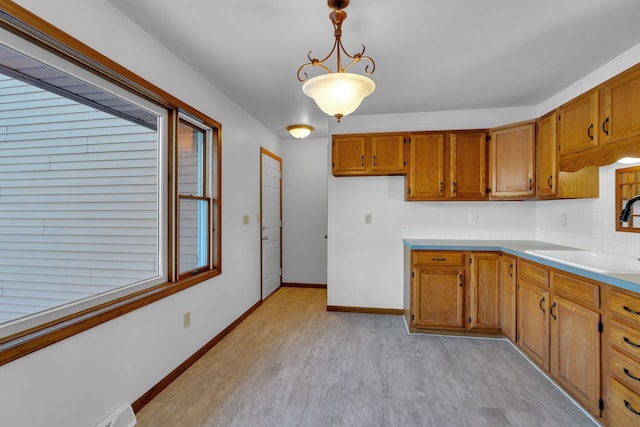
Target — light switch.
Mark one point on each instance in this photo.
(245, 219)
(367, 218)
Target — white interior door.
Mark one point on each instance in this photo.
(270, 204)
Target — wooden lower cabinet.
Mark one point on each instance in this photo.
(623, 356)
(533, 322)
(508, 296)
(455, 290)
(484, 292)
(438, 298)
(575, 351)
(624, 408)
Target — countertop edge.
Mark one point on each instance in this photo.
(515, 248)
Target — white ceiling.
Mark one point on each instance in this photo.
(430, 55)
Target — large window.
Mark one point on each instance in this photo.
(103, 208)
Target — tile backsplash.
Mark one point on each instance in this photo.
(597, 230)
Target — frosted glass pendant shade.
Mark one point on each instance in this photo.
(338, 94)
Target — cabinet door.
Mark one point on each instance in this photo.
(533, 322)
(577, 123)
(512, 161)
(484, 291)
(575, 351)
(508, 296)
(620, 117)
(348, 155)
(425, 180)
(438, 298)
(468, 165)
(387, 154)
(547, 156)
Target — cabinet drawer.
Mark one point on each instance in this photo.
(625, 406)
(579, 290)
(533, 274)
(438, 258)
(626, 370)
(625, 339)
(625, 308)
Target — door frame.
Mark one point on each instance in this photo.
(265, 152)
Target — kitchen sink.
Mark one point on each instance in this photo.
(599, 262)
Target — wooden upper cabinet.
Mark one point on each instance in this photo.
(425, 179)
(468, 165)
(578, 123)
(388, 154)
(348, 154)
(620, 107)
(368, 154)
(512, 151)
(547, 154)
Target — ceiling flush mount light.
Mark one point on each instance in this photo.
(338, 93)
(299, 131)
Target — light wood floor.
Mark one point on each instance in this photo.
(292, 363)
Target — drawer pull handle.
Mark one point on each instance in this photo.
(542, 302)
(438, 259)
(628, 310)
(627, 373)
(511, 270)
(628, 341)
(551, 311)
(628, 406)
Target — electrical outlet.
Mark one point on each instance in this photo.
(563, 220)
(367, 218)
(187, 319)
(473, 218)
(245, 219)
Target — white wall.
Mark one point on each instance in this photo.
(304, 211)
(78, 381)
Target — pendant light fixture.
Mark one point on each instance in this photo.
(299, 131)
(338, 93)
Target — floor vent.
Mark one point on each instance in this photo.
(123, 417)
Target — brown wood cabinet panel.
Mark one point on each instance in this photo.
(438, 297)
(368, 154)
(426, 179)
(348, 154)
(625, 308)
(579, 290)
(626, 370)
(512, 154)
(508, 271)
(577, 123)
(484, 291)
(575, 351)
(620, 107)
(625, 406)
(625, 339)
(439, 258)
(547, 155)
(533, 273)
(387, 154)
(533, 322)
(467, 165)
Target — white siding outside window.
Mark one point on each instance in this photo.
(79, 194)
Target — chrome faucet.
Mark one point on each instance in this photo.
(626, 211)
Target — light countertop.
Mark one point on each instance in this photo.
(517, 248)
